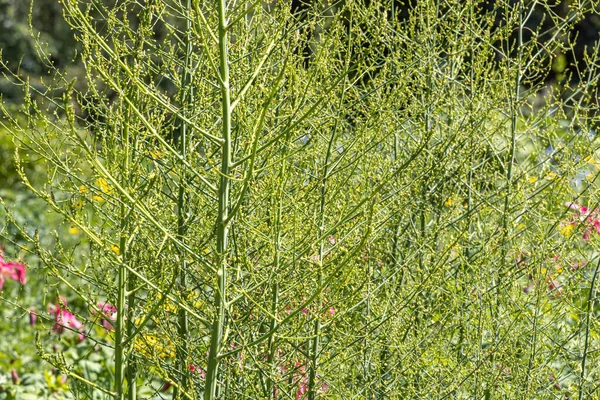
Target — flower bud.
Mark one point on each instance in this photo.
(15, 377)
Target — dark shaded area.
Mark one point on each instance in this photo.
(583, 37)
(19, 45)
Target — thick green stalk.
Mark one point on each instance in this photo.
(590, 308)
(186, 100)
(222, 225)
(120, 329)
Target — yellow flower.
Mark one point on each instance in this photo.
(103, 185)
(448, 202)
(73, 230)
(532, 179)
(567, 230)
(551, 175)
(149, 345)
(590, 176)
(115, 249)
(83, 189)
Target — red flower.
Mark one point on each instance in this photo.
(11, 270)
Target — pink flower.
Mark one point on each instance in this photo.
(301, 379)
(331, 239)
(15, 377)
(11, 270)
(63, 318)
(198, 370)
(586, 236)
(576, 266)
(555, 287)
(32, 317)
(111, 312)
(583, 210)
(332, 311)
(589, 218)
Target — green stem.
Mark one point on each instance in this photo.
(223, 222)
(131, 369)
(590, 310)
(276, 264)
(120, 329)
(316, 342)
(187, 97)
(498, 275)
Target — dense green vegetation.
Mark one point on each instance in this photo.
(297, 201)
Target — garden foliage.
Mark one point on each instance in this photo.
(343, 202)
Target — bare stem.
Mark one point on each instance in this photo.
(223, 222)
(186, 99)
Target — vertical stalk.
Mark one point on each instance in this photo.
(315, 347)
(120, 329)
(131, 369)
(316, 341)
(186, 99)
(590, 310)
(513, 138)
(222, 224)
(497, 277)
(271, 390)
